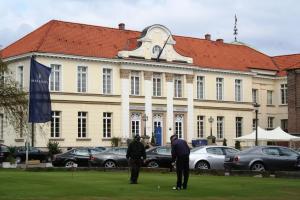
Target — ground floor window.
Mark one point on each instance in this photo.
(200, 126)
(135, 124)
(107, 124)
(179, 126)
(238, 126)
(270, 123)
(55, 124)
(284, 125)
(82, 124)
(220, 127)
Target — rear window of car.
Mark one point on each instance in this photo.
(230, 151)
(271, 151)
(288, 152)
(164, 151)
(215, 150)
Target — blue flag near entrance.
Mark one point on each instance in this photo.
(39, 99)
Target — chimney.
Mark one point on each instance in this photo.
(122, 26)
(220, 40)
(207, 36)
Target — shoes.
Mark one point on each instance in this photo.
(176, 188)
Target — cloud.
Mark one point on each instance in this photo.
(269, 25)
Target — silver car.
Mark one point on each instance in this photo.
(209, 157)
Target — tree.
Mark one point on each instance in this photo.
(13, 100)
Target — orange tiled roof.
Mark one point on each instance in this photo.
(95, 41)
(286, 62)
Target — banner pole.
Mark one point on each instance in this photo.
(32, 134)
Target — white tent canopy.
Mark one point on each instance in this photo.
(273, 135)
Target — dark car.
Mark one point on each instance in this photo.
(4, 152)
(159, 157)
(75, 157)
(33, 154)
(110, 158)
(263, 158)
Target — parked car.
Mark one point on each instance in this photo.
(76, 156)
(33, 154)
(110, 158)
(159, 157)
(209, 157)
(4, 152)
(261, 158)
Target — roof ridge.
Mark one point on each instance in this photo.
(294, 54)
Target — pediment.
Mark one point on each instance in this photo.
(152, 40)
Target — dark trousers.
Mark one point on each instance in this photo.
(182, 168)
(135, 165)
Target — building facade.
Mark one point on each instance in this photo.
(109, 83)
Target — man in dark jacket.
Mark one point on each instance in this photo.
(180, 154)
(136, 154)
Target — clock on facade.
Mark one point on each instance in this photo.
(156, 49)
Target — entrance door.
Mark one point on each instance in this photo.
(157, 127)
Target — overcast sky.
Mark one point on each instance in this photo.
(270, 26)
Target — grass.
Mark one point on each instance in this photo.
(93, 185)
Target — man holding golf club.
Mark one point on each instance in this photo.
(180, 154)
(136, 154)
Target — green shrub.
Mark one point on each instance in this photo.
(115, 141)
(53, 148)
(237, 145)
(224, 142)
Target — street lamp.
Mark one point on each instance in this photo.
(210, 120)
(256, 107)
(145, 119)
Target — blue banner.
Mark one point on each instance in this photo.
(158, 135)
(39, 99)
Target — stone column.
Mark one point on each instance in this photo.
(170, 108)
(190, 114)
(148, 101)
(125, 87)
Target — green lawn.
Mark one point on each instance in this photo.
(93, 185)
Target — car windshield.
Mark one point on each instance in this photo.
(196, 149)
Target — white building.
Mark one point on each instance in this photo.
(104, 80)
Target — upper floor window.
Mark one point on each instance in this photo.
(82, 79)
(107, 81)
(107, 124)
(200, 126)
(270, 122)
(82, 124)
(238, 90)
(238, 126)
(135, 83)
(157, 84)
(283, 93)
(269, 97)
(20, 76)
(177, 86)
(255, 95)
(219, 86)
(55, 78)
(200, 87)
(55, 124)
(220, 127)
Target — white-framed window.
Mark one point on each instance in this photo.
(179, 126)
(135, 124)
(219, 86)
(270, 122)
(200, 126)
(283, 93)
(1, 126)
(284, 124)
(220, 127)
(177, 86)
(238, 126)
(254, 123)
(82, 124)
(20, 76)
(82, 79)
(107, 124)
(200, 87)
(157, 83)
(269, 97)
(255, 95)
(238, 90)
(55, 78)
(55, 124)
(135, 83)
(107, 81)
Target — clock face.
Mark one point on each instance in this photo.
(156, 49)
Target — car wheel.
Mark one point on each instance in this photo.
(202, 165)
(18, 160)
(70, 163)
(110, 164)
(153, 164)
(258, 166)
